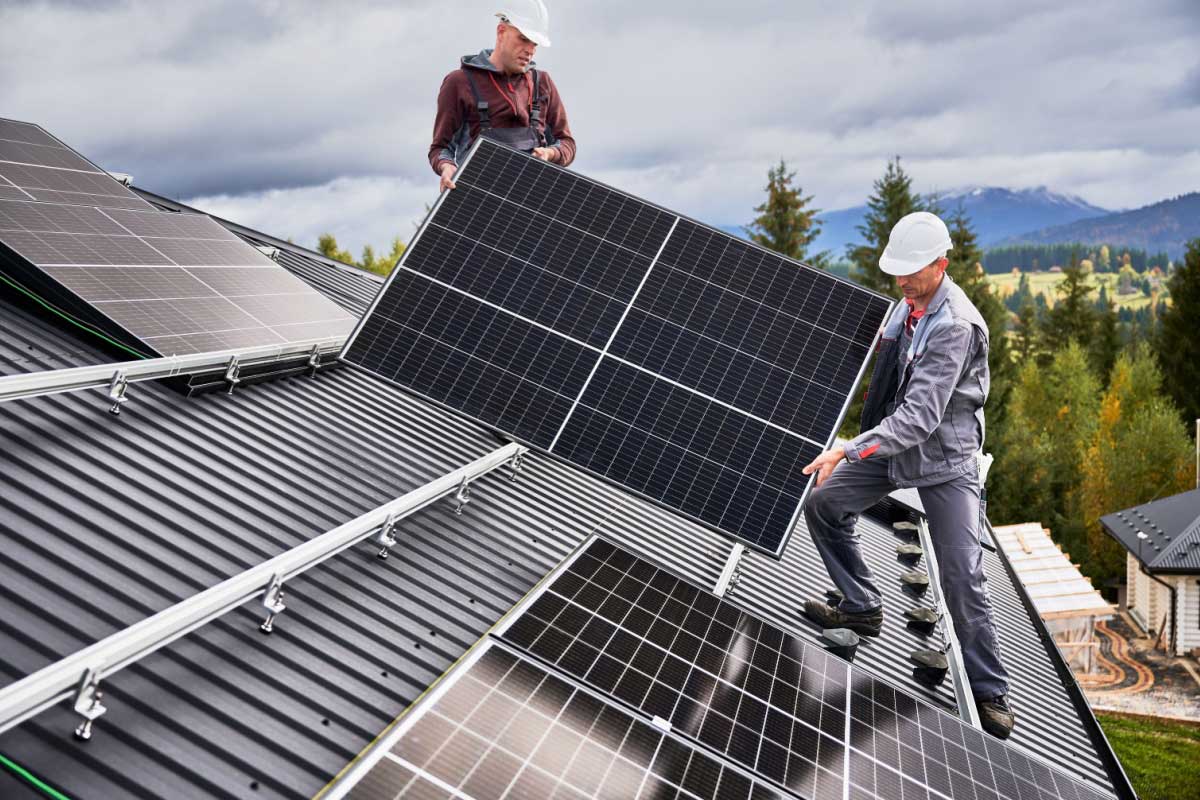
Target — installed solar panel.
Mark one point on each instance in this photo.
(502, 727)
(756, 696)
(163, 282)
(696, 369)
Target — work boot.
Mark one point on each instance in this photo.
(864, 623)
(996, 716)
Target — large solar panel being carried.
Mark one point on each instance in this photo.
(159, 282)
(694, 368)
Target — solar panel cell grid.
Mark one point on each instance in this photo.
(130, 200)
(749, 691)
(25, 132)
(49, 155)
(759, 696)
(461, 352)
(507, 729)
(726, 367)
(148, 270)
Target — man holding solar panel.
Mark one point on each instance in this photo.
(499, 94)
(922, 427)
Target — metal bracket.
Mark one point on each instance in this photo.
(314, 361)
(462, 496)
(233, 373)
(87, 702)
(116, 392)
(516, 465)
(731, 573)
(273, 602)
(386, 537)
(953, 653)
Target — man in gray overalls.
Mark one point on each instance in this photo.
(922, 426)
(499, 94)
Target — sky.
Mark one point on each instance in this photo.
(307, 116)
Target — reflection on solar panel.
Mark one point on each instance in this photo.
(502, 727)
(160, 282)
(696, 369)
(756, 696)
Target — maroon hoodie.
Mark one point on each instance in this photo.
(508, 97)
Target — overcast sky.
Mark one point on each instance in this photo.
(303, 116)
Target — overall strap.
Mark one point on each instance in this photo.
(535, 112)
(481, 106)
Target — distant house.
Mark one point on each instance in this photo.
(1163, 567)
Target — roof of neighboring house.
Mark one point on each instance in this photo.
(106, 520)
(1171, 527)
(1056, 586)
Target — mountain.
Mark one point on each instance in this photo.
(995, 212)
(1161, 226)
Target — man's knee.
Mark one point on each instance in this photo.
(821, 508)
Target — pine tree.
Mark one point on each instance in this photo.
(1026, 332)
(785, 222)
(1073, 317)
(893, 199)
(1106, 343)
(967, 271)
(1177, 343)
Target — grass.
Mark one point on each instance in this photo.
(1160, 757)
(1006, 283)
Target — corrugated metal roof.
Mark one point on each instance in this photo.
(1172, 529)
(105, 520)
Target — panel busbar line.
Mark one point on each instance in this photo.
(158, 281)
(712, 369)
(757, 696)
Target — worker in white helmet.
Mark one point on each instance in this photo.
(922, 427)
(500, 94)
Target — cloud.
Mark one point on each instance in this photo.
(285, 108)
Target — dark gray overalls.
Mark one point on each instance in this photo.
(523, 139)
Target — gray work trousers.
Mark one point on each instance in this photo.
(952, 509)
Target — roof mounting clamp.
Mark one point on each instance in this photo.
(87, 702)
(116, 392)
(516, 465)
(273, 602)
(314, 360)
(386, 537)
(233, 373)
(731, 573)
(462, 496)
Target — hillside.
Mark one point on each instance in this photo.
(995, 212)
(1165, 225)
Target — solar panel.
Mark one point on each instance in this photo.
(501, 726)
(756, 696)
(162, 282)
(694, 368)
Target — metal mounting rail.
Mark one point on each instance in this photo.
(124, 372)
(78, 675)
(958, 673)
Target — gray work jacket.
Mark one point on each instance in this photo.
(924, 408)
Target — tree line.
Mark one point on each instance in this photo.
(1035, 257)
(1083, 421)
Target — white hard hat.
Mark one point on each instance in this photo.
(917, 240)
(531, 18)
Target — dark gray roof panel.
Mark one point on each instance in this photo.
(105, 520)
(1172, 528)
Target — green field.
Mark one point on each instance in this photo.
(1160, 757)
(1045, 282)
